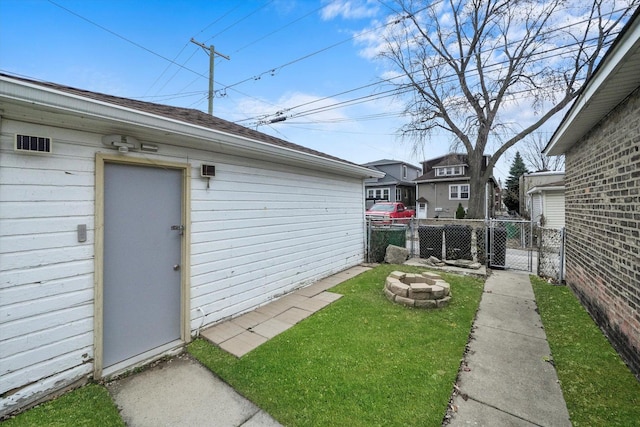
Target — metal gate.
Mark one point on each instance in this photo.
(510, 244)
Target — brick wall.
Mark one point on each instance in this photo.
(603, 226)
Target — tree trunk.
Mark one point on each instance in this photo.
(477, 183)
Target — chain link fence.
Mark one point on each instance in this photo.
(511, 244)
(497, 243)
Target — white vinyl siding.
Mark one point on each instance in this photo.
(259, 231)
(554, 209)
(536, 207)
(549, 203)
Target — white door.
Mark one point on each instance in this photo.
(422, 211)
(142, 255)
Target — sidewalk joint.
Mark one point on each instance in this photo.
(512, 332)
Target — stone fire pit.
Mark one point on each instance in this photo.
(426, 290)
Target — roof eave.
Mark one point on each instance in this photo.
(571, 128)
(550, 188)
(48, 99)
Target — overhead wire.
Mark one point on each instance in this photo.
(301, 114)
(375, 96)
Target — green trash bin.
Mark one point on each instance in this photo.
(381, 237)
(512, 230)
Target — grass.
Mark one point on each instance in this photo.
(362, 361)
(90, 405)
(598, 387)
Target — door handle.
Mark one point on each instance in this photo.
(176, 267)
(179, 228)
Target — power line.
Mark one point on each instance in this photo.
(393, 92)
(123, 38)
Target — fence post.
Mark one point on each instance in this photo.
(562, 242)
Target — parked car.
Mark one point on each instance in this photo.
(389, 213)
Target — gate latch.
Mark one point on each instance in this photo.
(179, 228)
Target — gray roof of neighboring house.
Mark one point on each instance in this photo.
(187, 115)
(615, 78)
(389, 162)
(451, 159)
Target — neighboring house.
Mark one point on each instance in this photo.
(398, 184)
(600, 138)
(547, 199)
(445, 184)
(546, 204)
(126, 226)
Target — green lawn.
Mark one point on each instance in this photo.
(598, 387)
(362, 361)
(87, 406)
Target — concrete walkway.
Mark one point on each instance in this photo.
(507, 378)
(181, 392)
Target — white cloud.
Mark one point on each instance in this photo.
(349, 9)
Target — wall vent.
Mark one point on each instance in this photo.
(208, 171)
(33, 144)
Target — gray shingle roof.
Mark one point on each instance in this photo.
(186, 115)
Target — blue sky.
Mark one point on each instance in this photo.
(285, 56)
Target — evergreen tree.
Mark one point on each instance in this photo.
(511, 196)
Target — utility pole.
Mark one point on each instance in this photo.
(212, 53)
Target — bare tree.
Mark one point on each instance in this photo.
(490, 72)
(531, 149)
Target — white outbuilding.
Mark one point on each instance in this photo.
(125, 226)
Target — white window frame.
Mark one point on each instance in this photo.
(458, 191)
(398, 194)
(404, 171)
(378, 193)
(450, 171)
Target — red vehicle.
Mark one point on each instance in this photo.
(389, 212)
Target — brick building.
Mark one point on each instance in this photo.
(600, 137)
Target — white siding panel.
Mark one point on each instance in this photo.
(31, 225)
(20, 344)
(260, 230)
(37, 390)
(42, 354)
(554, 208)
(35, 291)
(51, 366)
(44, 322)
(46, 275)
(536, 207)
(26, 309)
(270, 232)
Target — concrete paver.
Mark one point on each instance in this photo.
(293, 315)
(248, 320)
(271, 328)
(222, 332)
(244, 333)
(243, 343)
